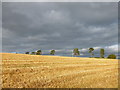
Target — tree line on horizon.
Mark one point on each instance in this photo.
(76, 52)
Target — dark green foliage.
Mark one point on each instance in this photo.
(76, 51)
(112, 56)
(26, 52)
(52, 52)
(97, 57)
(33, 53)
(102, 53)
(39, 52)
(91, 51)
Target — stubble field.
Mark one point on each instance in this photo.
(34, 71)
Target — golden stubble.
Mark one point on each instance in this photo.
(34, 71)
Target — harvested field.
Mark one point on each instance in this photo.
(33, 71)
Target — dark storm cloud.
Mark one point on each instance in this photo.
(0, 27)
(46, 26)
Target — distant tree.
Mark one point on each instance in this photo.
(76, 51)
(33, 53)
(112, 56)
(26, 52)
(102, 53)
(52, 52)
(39, 52)
(91, 52)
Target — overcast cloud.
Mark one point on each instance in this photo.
(60, 26)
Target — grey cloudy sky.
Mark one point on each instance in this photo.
(61, 26)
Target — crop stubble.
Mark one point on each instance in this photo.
(33, 71)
